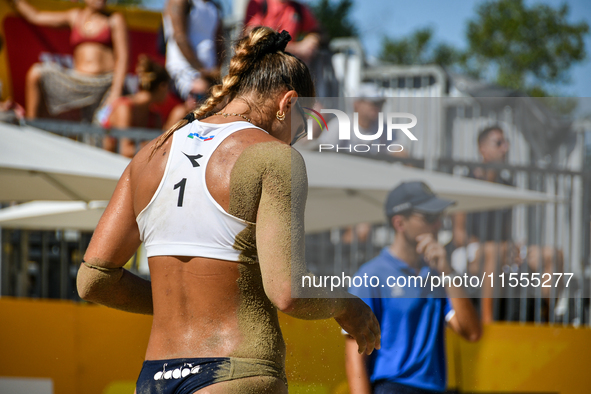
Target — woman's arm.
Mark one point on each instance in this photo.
(178, 10)
(280, 245)
(101, 279)
(121, 52)
(465, 321)
(355, 365)
(44, 18)
(122, 118)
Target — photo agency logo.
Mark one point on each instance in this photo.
(349, 139)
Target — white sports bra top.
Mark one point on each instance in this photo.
(183, 219)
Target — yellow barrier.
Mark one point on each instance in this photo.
(95, 350)
(513, 358)
(82, 348)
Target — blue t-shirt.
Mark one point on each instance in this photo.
(413, 329)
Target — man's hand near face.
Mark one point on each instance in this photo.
(433, 252)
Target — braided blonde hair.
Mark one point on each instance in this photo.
(260, 64)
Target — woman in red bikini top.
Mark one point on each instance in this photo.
(99, 39)
(138, 110)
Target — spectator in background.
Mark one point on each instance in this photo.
(368, 104)
(484, 239)
(137, 110)
(288, 15)
(194, 45)
(411, 359)
(193, 100)
(101, 51)
(493, 148)
(492, 228)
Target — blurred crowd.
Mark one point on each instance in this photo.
(96, 88)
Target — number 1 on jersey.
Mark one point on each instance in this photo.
(181, 184)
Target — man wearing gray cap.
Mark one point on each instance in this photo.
(412, 317)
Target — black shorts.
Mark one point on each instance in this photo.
(187, 375)
(385, 387)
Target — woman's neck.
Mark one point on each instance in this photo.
(263, 117)
(257, 118)
(89, 11)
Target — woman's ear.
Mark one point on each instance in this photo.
(285, 102)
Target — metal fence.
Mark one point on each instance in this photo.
(544, 227)
(544, 239)
(41, 264)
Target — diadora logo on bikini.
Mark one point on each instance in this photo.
(177, 373)
(208, 138)
(344, 131)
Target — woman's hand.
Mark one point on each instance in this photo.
(112, 98)
(359, 321)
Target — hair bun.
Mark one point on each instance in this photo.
(275, 43)
(281, 40)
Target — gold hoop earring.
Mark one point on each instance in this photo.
(280, 115)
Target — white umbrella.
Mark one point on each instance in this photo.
(37, 165)
(51, 215)
(345, 190)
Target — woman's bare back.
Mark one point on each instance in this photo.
(207, 307)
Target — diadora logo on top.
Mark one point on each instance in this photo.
(208, 138)
(344, 130)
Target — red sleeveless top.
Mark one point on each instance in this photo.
(102, 37)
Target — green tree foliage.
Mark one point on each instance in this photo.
(526, 47)
(123, 3)
(127, 3)
(509, 43)
(419, 48)
(334, 17)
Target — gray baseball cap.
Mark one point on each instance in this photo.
(414, 196)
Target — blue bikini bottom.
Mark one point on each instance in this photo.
(187, 375)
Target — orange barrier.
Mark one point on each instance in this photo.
(95, 350)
